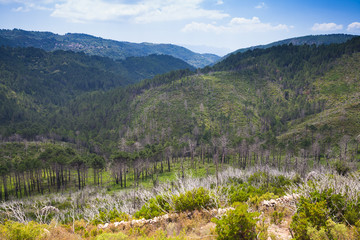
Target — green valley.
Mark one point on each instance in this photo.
(150, 148)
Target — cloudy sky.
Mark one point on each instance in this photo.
(217, 26)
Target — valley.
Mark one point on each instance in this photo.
(90, 138)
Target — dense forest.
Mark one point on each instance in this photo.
(35, 83)
(248, 129)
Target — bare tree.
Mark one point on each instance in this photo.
(344, 147)
(223, 140)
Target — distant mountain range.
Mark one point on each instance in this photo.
(101, 47)
(309, 40)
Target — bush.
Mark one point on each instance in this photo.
(237, 224)
(313, 215)
(256, 200)
(238, 195)
(277, 217)
(153, 208)
(110, 216)
(352, 212)
(341, 168)
(195, 199)
(112, 236)
(331, 230)
(22, 231)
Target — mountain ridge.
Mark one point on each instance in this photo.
(93, 45)
(308, 39)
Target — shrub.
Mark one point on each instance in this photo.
(277, 217)
(256, 200)
(335, 203)
(112, 236)
(341, 168)
(153, 208)
(313, 215)
(238, 195)
(237, 224)
(195, 199)
(22, 231)
(110, 216)
(331, 230)
(352, 212)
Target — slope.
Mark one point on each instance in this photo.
(34, 82)
(309, 40)
(101, 47)
(261, 94)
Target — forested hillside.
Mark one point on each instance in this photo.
(260, 93)
(308, 40)
(100, 47)
(34, 82)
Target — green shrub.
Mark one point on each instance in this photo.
(237, 224)
(331, 230)
(341, 168)
(110, 216)
(256, 200)
(277, 217)
(352, 212)
(22, 231)
(195, 199)
(308, 214)
(238, 195)
(258, 178)
(153, 208)
(112, 236)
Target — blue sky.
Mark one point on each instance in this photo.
(216, 26)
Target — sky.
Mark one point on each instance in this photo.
(214, 26)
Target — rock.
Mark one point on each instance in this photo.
(103, 226)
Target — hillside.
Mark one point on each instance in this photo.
(100, 47)
(262, 93)
(34, 82)
(309, 40)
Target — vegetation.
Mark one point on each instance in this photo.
(170, 153)
(237, 224)
(100, 47)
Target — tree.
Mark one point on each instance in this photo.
(98, 165)
(78, 162)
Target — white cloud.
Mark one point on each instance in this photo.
(353, 26)
(20, 9)
(260, 5)
(203, 27)
(237, 25)
(324, 27)
(144, 11)
(84, 10)
(220, 2)
(28, 5)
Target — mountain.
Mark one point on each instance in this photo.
(309, 40)
(101, 47)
